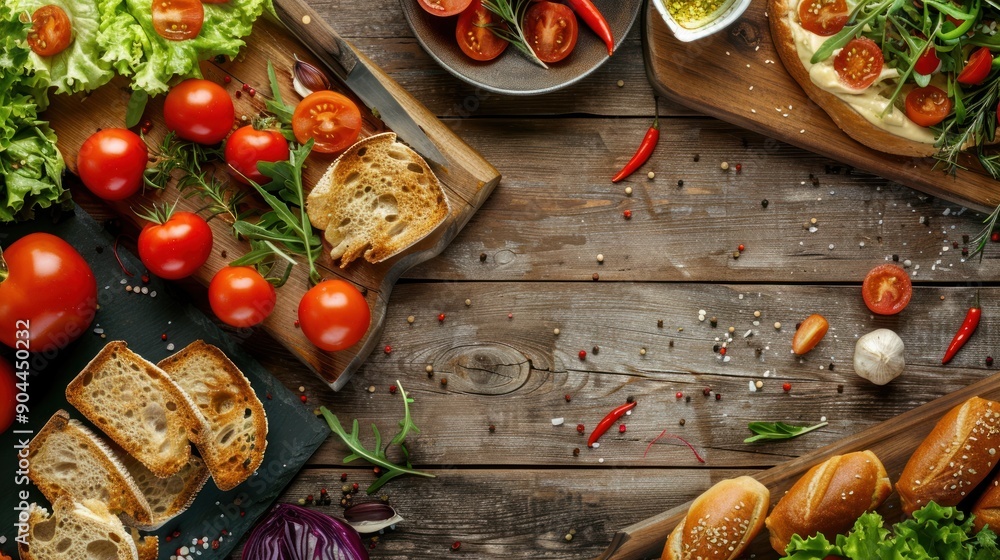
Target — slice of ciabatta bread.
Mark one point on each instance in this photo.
(233, 447)
(378, 198)
(76, 531)
(148, 547)
(67, 459)
(137, 405)
(167, 497)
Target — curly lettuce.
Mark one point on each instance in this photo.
(77, 68)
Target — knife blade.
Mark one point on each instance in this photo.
(336, 54)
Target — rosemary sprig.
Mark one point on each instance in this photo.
(977, 127)
(512, 13)
(979, 242)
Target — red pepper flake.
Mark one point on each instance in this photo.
(392, 389)
(722, 351)
(388, 349)
(786, 387)
(627, 214)
(441, 317)
(621, 428)
(580, 428)
(568, 397)
(583, 354)
(302, 398)
(456, 545)
(679, 394)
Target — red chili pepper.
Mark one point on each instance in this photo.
(608, 421)
(964, 332)
(594, 19)
(645, 149)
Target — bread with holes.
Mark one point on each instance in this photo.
(138, 406)
(233, 445)
(167, 497)
(76, 531)
(68, 460)
(378, 198)
(148, 547)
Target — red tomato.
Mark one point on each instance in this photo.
(551, 30)
(8, 395)
(240, 296)
(928, 105)
(334, 315)
(199, 110)
(175, 245)
(50, 292)
(887, 289)
(178, 20)
(329, 118)
(51, 31)
(978, 67)
(444, 8)
(809, 333)
(111, 163)
(928, 63)
(823, 17)
(474, 36)
(859, 63)
(248, 146)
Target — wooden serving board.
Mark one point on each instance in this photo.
(892, 441)
(737, 76)
(468, 180)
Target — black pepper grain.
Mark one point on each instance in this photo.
(444, 381)
(680, 183)
(895, 258)
(482, 257)
(596, 350)
(965, 238)
(681, 421)
(840, 388)
(670, 344)
(493, 429)
(659, 323)
(596, 277)
(697, 157)
(830, 366)
(630, 399)
(687, 398)
(764, 203)
(576, 451)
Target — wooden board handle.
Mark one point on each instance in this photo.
(315, 33)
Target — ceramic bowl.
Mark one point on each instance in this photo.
(725, 16)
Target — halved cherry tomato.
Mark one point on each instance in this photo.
(978, 67)
(823, 17)
(473, 33)
(248, 146)
(859, 63)
(175, 245)
(111, 163)
(51, 31)
(334, 315)
(928, 62)
(928, 105)
(331, 119)
(240, 296)
(887, 289)
(8, 395)
(444, 8)
(199, 110)
(178, 20)
(809, 333)
(551, 30)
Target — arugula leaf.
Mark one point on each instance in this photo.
(863, 15)
(778, 430)
(277, 105)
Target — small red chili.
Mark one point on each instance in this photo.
(607, 421)
(591, 15)
(645, 150)
(621, 428)
(964, 332)
(583, 354)
(786, 387)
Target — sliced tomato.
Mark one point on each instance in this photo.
(859, 63)
(823, 17)
(51, 31)
(474, 36)
(978, 67)
(444, 8)
(928, 62)
(927, 106)
(178, 20)
(887, 289)
(331, 119)
(551, 30)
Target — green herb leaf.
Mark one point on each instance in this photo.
(136, 107)
(276, 105)
(778, 430)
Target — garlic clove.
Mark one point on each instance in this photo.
(307, 78)
(371, 517)
(878, 356)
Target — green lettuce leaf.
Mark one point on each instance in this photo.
(866, 538)
(31, 171)
(813, 548)
(78, 68)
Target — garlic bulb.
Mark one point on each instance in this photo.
(878, 356)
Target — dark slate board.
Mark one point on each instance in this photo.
(294, 431)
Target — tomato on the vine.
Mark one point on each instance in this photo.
(199, 110)
(8, 395)
(927, 106)
(240, 296)
(444, 8)
(887, 289)
(49, 297)
(51, 31)
(177, 20)
(552, 30)
(329, 118)
(111, 163)
(174, 244)
(859, 63)
(474, 36)
(979, 66)
(823, 17)
(334, 315)
(248, 146)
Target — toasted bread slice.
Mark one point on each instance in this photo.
(168, 497)
(378, 198)
(148, 547)
(76, 531)
(69, 460)
(137, 405)
(233, 447)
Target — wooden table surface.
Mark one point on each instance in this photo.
(527, 264)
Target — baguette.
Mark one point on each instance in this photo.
(721, 522)
(167, 497)
(954, 458)
(829, 498)
(987, 508)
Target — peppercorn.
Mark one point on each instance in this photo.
(681, 421)
(740, 248)
(630, 399)
(568, 397)
(995, 236)
(697, 157)
(830, 367)
(764, 203)
(576, 451)
(687, 398)
(580, 428)
(659, 323)
(444, 380)
(582, 354)
(388, 349)
(343, 477)
(596, 277)
(786, 387)
(596, 350)
(706, 391)
(493, 429)
(680, 183)
(627, 214)
(441, 317)
(718, 396)
(679, 394)
(621, 428)
(714, 322)
(716, 348)
(895, 258)
(840, 388)
(482, 257)
(345, 489)
(392, 389)
(722, 351)
(989, 360)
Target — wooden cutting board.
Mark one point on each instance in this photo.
(468, 180)
(736, 76)
(892, 441)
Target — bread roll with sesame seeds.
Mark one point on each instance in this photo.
(721, 522)
(954, 458)
(829, 498)
(987, 507)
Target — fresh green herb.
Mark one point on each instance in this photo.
(865, 15)
(377, 455)
(512, 13)
(136, 107)
(778, 430)
(276, 105)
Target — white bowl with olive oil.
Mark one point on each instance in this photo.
(694, 19)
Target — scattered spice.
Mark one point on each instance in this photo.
(989, 360)
(659, 323)
(764, 203)
(621, 428)
(679, 394)
(493, 429)
(576, 451)
(388, 349)
(392, 389)
(580, 428)
(706, 391)
(568, 397)
(441, 318)
(411, 319)
(681, 421)
(582, 354)
(482, 257)
(596, 350)
(786, 387)
(627, 214)
(303, 398)
(456, 545)
(718, 396)
(596, 277)
(444, 381)
(724, 166)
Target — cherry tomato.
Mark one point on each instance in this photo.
(887, 289)
(927, 106)
(474, 36)
(111, 163)
(928, 63)
(551, 30)
(51, 31)
(49, 297)
(809, 333)
(240, 296)
(823, 17)
(331, 119)
(175, 245)
(199, 110)
(178, 20)
(444, 8)
(859, 63)
(8, 395)
(334, 315)
(248, 146)
(978, 67)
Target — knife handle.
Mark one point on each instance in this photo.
(315, 33)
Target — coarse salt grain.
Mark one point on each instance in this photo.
(557, 421)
